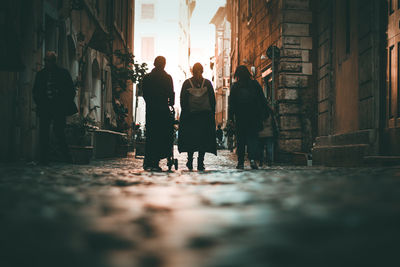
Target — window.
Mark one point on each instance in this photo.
(117, 8)
(348, 27)
(391, 9)
(390, 82)
(109, 15)
(249, 9)
(121, 16)
(97, 6)
(147, 11)
(147, 48)
(267, 77)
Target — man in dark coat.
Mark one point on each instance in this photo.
(53, 93)
(158, 92)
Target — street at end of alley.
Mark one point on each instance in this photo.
(113, 214)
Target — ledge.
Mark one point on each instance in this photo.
(109, 132)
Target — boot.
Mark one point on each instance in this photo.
(240, 165)
(253, 164)
(155, 166)
(189, 164)
(200, 164)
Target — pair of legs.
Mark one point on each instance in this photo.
(250, 138)
(151, 162)
(151, 158)
(59, 123)
(267, 144)
(158, 138)
(200, 160)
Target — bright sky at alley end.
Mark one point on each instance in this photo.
(202, 32)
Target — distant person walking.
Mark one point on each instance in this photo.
(53, 93)
(158, 92)
(197, 121)
(247, 104)
(267, 137)
(220, 136)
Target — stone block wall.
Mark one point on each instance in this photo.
(286, 24)
(295, 90)
(362, 63)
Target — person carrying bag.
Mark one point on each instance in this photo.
(246, 105)
(197, 121)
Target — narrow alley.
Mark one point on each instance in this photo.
(112, 213)
(291, 109)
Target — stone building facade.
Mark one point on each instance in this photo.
(84, 33)
(289, 84)
(336, 85)
(356, 122)
(221, 67)
(391, 99)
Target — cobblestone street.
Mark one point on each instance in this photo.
(113, 214)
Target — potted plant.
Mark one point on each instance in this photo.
(78, 134)
(123, 146)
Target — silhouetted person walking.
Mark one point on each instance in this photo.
(197, 121)
(53, 93)
(158, 92)
(247, 105)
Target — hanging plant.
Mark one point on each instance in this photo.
(127, 70)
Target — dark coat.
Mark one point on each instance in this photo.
(247, 106)
(158, 92)
(197, 129)
(61, 101)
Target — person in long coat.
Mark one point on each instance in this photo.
(197, 121)
(158, 93)
(53, 93)
(247, 106)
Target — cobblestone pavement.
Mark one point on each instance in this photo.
(113, 214)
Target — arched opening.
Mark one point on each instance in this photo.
(95, 94)
(73, 65)
(72, 59)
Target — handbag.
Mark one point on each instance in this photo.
(198, 98)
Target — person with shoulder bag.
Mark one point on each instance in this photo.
(246, 105)
(197, 121)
